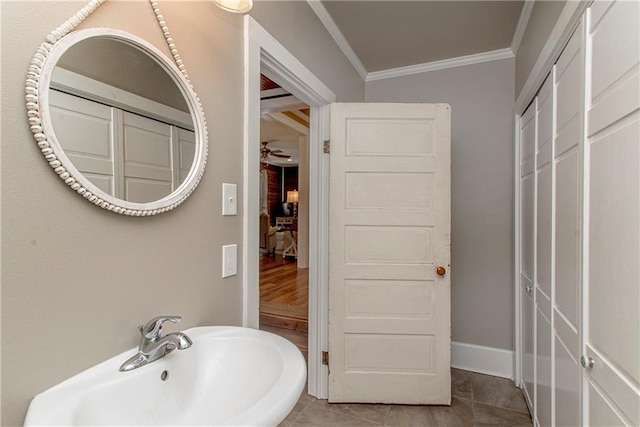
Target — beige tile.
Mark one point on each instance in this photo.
(305, 397)
(496, 401)
(315, 415)
(409, 416)
(500, 392)
(486, 415)
(369, 412)
(459, 414)
(292, 415)
(461, 384)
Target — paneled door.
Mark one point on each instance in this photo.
(147, 158)
(87, 131)
(389, 249)
(585, 249)
(127, 155)
(545, 177)
(612, 353)
(567, 147)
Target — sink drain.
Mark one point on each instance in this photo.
(164, 375)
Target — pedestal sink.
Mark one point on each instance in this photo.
(230, 376)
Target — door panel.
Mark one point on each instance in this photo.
(567, 383)
(184, 153)
(527, 248)
(387, 190)
(569, 87)
(389, 313)
(544, 386)
(544, 253)
(568, 237)
(621, 396)
(601, 412)
(543, 232)
(614, 317)
(148, 164)
(391, 298)
(85, 129)
(613, 133)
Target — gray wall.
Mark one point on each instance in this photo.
(542, 20)
(77, 280)
(296, 26)
(482, 100)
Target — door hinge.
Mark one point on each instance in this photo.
(327, 146)
(325, 358)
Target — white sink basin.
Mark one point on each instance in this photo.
(229, 376)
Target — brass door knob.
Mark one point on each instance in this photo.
(441, 271)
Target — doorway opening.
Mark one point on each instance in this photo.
(265, 55)
(284, 214)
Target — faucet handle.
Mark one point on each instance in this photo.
(151, 329)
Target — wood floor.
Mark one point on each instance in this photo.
(284, 299)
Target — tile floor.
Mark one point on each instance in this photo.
(477, 400)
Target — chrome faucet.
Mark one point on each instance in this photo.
(153, 346)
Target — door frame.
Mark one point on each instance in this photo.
(263, 53)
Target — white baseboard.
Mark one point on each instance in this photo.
(485, 360)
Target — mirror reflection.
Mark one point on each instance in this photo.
(121, 119)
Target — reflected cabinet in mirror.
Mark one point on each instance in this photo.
(122, 121)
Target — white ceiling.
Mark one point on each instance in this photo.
(392, 34)
(283, 138)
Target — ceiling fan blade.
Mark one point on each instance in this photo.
(276, 151)
(282, 156)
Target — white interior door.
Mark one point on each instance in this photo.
(389, 309)
(613, 214)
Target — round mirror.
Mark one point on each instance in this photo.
(120, 123)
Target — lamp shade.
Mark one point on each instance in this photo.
(235, 6)
(292, 196)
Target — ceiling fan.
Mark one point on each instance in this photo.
(265, 152)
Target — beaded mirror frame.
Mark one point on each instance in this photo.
(37, 96)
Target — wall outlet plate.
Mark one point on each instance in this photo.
(229, 260)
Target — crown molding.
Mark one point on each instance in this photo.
(459, 61)
(522, 25)
(494, 55)
(337, 35)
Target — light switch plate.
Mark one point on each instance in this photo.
(229, 199)
(229, 260)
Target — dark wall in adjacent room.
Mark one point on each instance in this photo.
(290, 179)
(276, 195)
